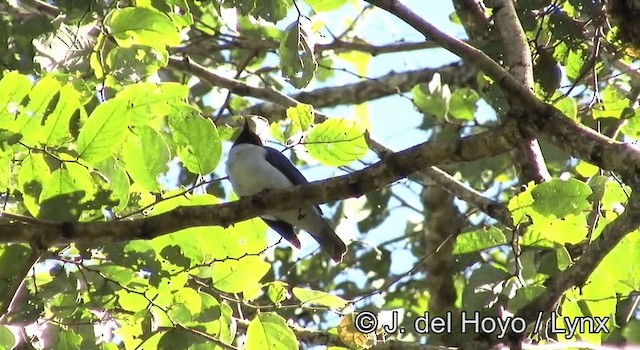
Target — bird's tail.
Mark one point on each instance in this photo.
(310, 220)
(330, 242)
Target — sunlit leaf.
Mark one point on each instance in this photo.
(336, 142)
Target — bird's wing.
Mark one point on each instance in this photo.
(282, 163)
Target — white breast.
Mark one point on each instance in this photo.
(249, 172)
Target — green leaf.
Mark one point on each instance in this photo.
(271, 10)
(34, 173)
(297, 59)
(631, 332)
(561, 198)
(15, 87)
(61, 197)
(277, 292)
(6, 166)
(315, 297)
(143, 26)
(119, 274)
(325, 5)
(137, 62)
(301, 117)
(149, 101)
(269, 331)
(569, 107)
(233, 276)
(337, 142)
(186, 304)
(112, 171)
(463, 105)
(103, 131)
(133, 302)
(199, 145)
(67, 339)
(613, 103)
(56, 126)
(146, 154)
(42, 99)
(478, 240)
(433, 99)
(524, 296)
(7, 338)
(622, 265)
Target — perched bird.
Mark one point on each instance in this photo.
(253, 168)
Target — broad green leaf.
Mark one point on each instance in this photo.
(622, 265)
(237, 276)
(631, 332)
(199, 145)
(631, 127)
(478, 240)
(143, 26)
(561, 198)
(464, 104)
(210, 309)
(7, 338)
(133, 302)
(586, 169)
(150, 102)
(524, 296)
(269, 331)
(61, 197)
(568, 229)
(277, 292)
(112, 171)
(568, 106)
(66, 339)
(34, 173)
(337, 142)
(316, 297)
(301, 117)
(42, 100)
(433, 99)
(56, 125)
(325, 5)
(120, 274)
(146, 154)
(613, 103)
(15, 87)
(6, 157)
(186, 304)
(103, 131)
(135, 63)
(297, 59)
(271, 10)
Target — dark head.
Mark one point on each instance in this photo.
(247, 136)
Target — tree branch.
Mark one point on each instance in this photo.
(527, 158)
(393, 167)
(538, 117)
(393, 83)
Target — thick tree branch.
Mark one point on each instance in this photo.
(527, 158)
(538, 117)
(393, 83)
(392, 168)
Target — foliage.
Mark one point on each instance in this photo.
(113, 113)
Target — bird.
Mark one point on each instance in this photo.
(253, 168)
